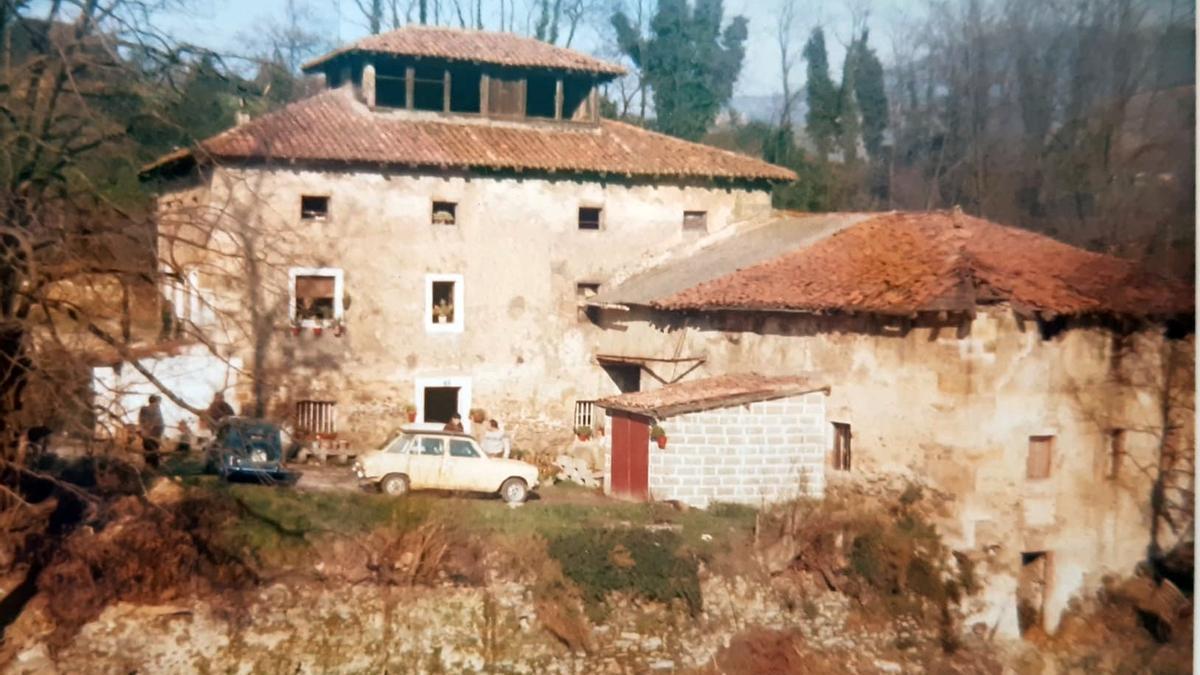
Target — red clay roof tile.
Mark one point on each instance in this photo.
(504, 49)
(709, 393)
(900, 263)
(334, 126)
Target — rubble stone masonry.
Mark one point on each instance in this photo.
(749, 454)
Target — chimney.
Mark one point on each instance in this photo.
(368, 85)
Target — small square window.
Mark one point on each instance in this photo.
(314, 207)
(695, 221)
(589, 218)
(443, 302)
(1040, 457)
(444, 213)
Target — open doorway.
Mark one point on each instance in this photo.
(1032, 587)
(628, 378)
(438, 398)
(440, 403)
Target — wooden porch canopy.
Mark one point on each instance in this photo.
(689, 364)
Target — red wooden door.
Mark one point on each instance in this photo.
(630, 455)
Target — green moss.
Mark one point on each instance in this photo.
(652, 565)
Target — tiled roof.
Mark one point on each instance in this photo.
(900, 263)
(504, 49)
(333, 126)
(709, 393)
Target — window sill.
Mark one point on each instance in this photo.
(443, 327)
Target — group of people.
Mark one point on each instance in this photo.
(150, 425)
(495, 441)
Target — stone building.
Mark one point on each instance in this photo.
(1043, 387)
(422, 232)
(742, 438)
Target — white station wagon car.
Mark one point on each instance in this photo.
(443, 460)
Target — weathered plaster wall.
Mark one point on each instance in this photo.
(516, 244)
(956, 405)
(751, 454)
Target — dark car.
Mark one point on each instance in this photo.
(248, 448)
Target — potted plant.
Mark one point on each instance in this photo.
(478, 415)
(583, 433)
(410, 411)
(317, 330)
(443, 311)
(658, 435)
(339, 329)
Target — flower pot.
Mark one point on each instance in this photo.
(582, 438)
(412, 415)
(339, 331)
(295, 330)
(662, 441)
(317, 330)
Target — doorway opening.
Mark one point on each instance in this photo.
(440, 403)
(628, 378)
(1032, 586)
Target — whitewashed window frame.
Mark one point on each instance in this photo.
(458, 324)
(339, 290)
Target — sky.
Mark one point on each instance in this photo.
(236, 26)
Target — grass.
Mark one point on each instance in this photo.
(282, 517)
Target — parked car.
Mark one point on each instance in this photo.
(417, 459)
(247, 448)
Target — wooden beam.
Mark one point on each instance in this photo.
(558, 99)
(410, 81)
(484, 85)
(446, 90)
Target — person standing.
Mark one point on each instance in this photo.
(150, 428)
(495, 442)
(455, 423)
(218, 410)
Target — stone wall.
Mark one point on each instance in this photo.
(957, 404)
(524, 349)
(751, 454)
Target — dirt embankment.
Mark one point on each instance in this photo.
(198, 577)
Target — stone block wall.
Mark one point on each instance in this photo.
(749, 454)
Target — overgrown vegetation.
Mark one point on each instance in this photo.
(651, 565)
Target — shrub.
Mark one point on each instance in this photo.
(652, 565)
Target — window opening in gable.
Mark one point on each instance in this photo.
(695, 221)
(1037, 463)
(577, 100)
(444, 213)
(315, 297)
(429, 88)
(840, 459)
(464, 90)
(390, 90)
(589, 218)
(443, 302)
(1116, 453)
(314, 207)
(539, 96)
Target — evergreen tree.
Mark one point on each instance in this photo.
(848, 121)
(689, 62)
(871, 97)
(821, 120)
